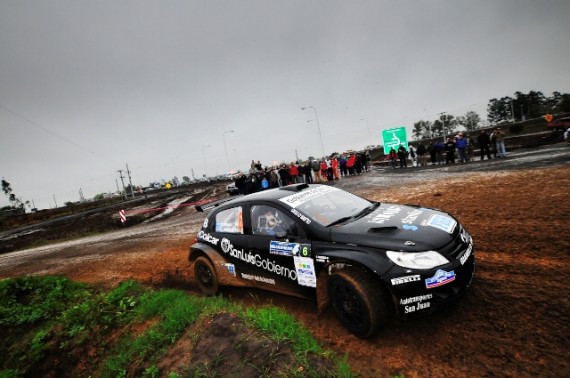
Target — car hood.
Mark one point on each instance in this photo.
(399, 228)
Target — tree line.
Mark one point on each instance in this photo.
(520, 107)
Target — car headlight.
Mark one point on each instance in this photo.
(417, 260)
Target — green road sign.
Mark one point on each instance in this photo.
(393, 138)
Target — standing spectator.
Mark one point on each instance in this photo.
(402, 155)
(324, 170)
(358, 164)
(366, 161)
(307, 172)
(484, 141)
(450, 151)
(334, 164)
(284, 175)
(342, 163)
(392, 156)
(500, 140)
(329, 169)
(439, 149)
(470, 147)
(493, 142)
(350, 163)
(273, 178)
(421, 151)
(294, 173)
(412, 152)
(461, 144)
(316, 166)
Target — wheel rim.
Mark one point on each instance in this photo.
(349, 305)
(205, 275)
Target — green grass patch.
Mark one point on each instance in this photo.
(54, 326)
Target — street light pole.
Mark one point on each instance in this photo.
(318, 128)
(443, 128)
(226, 147)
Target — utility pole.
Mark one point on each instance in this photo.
(123, 182)
(130, 182)
(54, 201)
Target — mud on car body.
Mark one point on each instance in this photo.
(368, 260)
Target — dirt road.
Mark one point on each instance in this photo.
(513, 322)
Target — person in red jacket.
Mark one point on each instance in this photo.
(294, 173)
(324, 170)
(334, 164)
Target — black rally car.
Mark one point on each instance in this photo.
(368, 259)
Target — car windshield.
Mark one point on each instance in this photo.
(327, 205)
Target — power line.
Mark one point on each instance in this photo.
(53, 133)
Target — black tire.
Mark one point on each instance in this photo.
(205, 276)
(358, 300)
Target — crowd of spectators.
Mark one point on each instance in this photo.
(310, 171)
(459, 148)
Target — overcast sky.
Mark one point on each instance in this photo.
(87, 87)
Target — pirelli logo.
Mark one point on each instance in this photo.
(406, 279)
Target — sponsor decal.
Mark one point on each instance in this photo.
(256, 260)
(466, 255)
(383, 214)
(284, 248)
(305, 271)
(419, 298)
(412, 216)
(301, 216)
(419, 306)
(405, 279)
(231, 268)
(410, 227)
(321, 259)
(207, 238)
(289, 249)
(440, 278)
(297, 199)
(442, 222)
(252, 277)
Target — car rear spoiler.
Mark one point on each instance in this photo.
(205, 207)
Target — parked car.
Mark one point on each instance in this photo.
(368, 259)
(561, 124)
(232, 189)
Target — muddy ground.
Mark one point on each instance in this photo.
(514, 321)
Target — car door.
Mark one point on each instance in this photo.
(282, 251)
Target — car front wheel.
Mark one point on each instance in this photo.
(205, 276)
(358, 300)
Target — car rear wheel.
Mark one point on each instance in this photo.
(358, 300)
(205, 276)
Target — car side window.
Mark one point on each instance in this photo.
(230, 221)
(269, 221)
